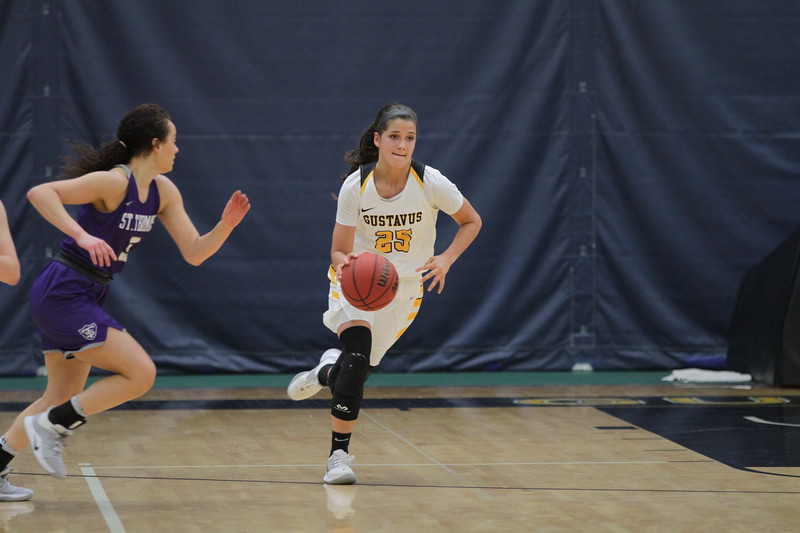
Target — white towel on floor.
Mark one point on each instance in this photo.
(696, 375)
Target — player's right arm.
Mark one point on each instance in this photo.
(342, 246)
(9, 263)
(104, 190)
(344, 231)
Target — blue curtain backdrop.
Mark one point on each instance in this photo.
(631, 160)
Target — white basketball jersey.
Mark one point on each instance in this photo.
(402, 228)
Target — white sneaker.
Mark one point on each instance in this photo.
(339, 470)
(306, 384)
(47, 443)
(10, 492)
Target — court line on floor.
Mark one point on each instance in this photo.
(416, 448)
(313, 465)
(413, 446)
(429, 486)
(100, 497)
(769, 422)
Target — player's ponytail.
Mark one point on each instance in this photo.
(88, 159)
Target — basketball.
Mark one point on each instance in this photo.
(369, 281)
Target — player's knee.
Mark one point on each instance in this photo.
(353, 371)
(141, 377)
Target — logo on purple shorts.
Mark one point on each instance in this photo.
(89, 331)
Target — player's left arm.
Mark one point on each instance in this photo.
(437, 267)
(196, 248)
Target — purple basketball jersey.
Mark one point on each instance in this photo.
(65, 303)
(123, 229)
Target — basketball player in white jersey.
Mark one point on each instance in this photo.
(388, 204)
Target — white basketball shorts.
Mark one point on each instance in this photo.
(387, 324)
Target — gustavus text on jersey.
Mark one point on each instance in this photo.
(393, 220)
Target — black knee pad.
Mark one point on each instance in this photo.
(354, 370)
(348, 388)
(356, 339)
(334, 373)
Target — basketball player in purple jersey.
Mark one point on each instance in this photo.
(121, 189)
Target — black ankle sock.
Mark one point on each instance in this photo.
(322, 377)
(66, 415)
(7, 453)
(5, 458)
(340, 441)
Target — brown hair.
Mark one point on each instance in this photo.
(135, 134)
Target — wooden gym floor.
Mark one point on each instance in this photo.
(550, 452)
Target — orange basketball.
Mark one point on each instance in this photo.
(369, 281)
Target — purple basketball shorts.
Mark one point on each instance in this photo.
(67, 307)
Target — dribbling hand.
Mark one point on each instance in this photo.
(347, 258)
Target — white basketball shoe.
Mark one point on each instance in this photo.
(306, 384)
(339, 471)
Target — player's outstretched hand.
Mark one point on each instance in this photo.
(236, 208)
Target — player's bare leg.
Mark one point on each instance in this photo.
(133, 374)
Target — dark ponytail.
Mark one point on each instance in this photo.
(88, 159)
(135, 134)
(367, 152)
